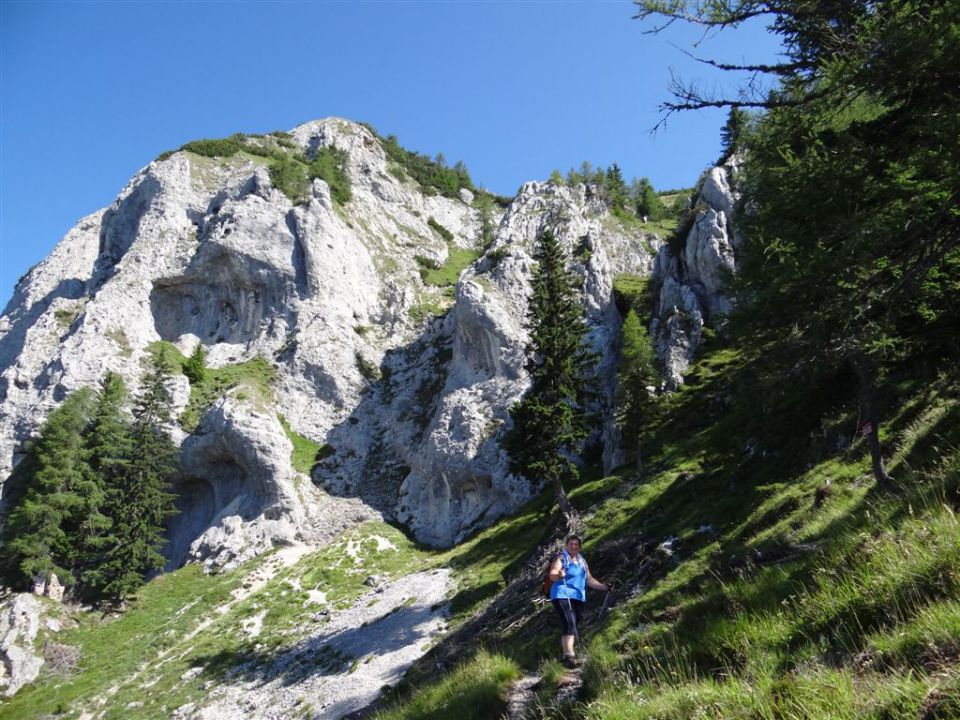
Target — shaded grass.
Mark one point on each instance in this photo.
(749, 591)
(772, 579)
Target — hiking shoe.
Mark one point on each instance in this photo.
(572, 662)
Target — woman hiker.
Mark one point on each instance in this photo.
(571, 576)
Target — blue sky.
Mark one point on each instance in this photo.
(90, 92)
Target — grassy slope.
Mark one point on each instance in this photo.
(142, 656)
(791, 587)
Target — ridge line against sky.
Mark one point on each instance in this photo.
(91, 92)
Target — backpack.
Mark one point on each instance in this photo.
(547, 582)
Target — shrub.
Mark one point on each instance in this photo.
(432, 174)
(369, 371)
(440, 229)
(330, 165)
(496, 256)
(224, 147)
(289, 177)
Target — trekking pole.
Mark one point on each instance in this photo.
(606, 602)
(571, 617)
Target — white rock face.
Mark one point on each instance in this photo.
(19, 623)
(436, 424)
(206, 250)
(693, 283)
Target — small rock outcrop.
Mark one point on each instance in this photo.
(48, 586)
(19, 623)
(692, 276)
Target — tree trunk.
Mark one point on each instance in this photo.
(639, 455)
(865, 376)
(565, 507)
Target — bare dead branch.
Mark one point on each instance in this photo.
(776, 69)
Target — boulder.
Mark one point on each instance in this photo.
(19, 623)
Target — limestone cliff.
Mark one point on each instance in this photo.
(692, 272)
(408, 383)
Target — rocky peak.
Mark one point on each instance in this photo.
(393, 338)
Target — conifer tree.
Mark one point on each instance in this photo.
(648, 203)
(550, 421)
(142, 502)
(638, 372)
(38, 542)
(195, 368)
(614, 187)
(851, 249)
(732, 132)
(109, 452)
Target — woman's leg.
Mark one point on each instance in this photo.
(568, 621)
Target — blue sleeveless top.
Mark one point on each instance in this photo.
(574, 585)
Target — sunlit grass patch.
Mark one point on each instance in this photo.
(476, 690)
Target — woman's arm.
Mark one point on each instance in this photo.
(556, 569)
(594, 583)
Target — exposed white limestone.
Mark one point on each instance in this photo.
(198, 249)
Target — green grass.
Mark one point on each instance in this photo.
(793, 587)
(163, 612)
(66, 317)
(119, 337)
(251, 380)
(447, 275)
(633, 292)
(125, 652)
(306, 453)
(429, 307)
(663, 226)
(476, 690)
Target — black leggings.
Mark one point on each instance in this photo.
(568, 624)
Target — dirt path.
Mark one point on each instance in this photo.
(522, 701)
(345, 666)
(521, 697)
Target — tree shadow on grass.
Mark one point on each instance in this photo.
(340, 652)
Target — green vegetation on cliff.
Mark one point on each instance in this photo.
(432, 174)
(291, 170)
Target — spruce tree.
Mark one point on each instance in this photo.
(38, 542)
(647, 202)
(732, 132)
(109, 452)
(614, 187)
(195, 368)
(635, 405)
(141, 502)
(550, 421)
